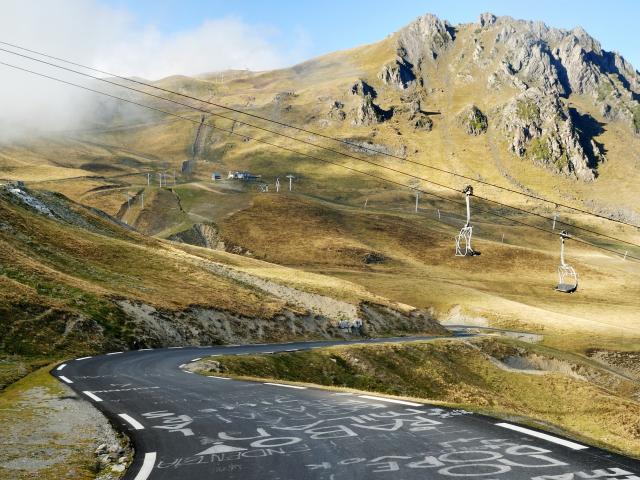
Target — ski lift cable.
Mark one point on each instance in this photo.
(297, 152)
(318, 134)
(584, 229)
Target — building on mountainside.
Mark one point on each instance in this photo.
(247, 176)
(216, 176)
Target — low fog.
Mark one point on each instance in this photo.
(87, 32)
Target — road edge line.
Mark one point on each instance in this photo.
(392, 400)
(92, 396)
(147, 466)
(543, 436)
(131, 421)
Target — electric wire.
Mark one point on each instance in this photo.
(321, 135)
(337, 152)
(380, 178)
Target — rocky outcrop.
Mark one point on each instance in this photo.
(540, 128)
(363, 89)
(336, 111)
(472, 120)
(368, 113)
(417, 117)
(424, 39)
(202, 235)
(563, 62)
(398, 74)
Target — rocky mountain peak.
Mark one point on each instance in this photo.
(424, 39)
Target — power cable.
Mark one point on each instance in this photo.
(584, 229)
(321, 135)
(383, 179)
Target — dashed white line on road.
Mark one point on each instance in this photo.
(287, 386)
(188, 371)
(65, 379)
(175, 347)
(92, 396)
(144, 349)
(131, 421)
(113, 353)
(196, 359)
(82, 358)
(219, 378)
(391, 400)
(61, 366)
(216, 355)
(147, 466)
(343, 393)
(544, 436)
(292, 350)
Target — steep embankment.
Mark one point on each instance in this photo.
(75, 280)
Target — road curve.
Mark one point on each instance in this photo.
(186, 426)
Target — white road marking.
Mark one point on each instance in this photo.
(91, 395)
(196, 359)
(64, 379)
(82, 358)
(292, 350)
(174, 347)
(147, 466)
(287, 386)
(188, 371)
(133, 389)
(144, 349)
(61, 366)
(216, 355)
(219, 378)
(113, 353)
(343, 393)
(267, 353)
(544, 436)
(183, 365)
(131, 421)
(391, 400)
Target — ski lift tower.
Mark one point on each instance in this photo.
(567, 276)
(290, 177)
(463, 239)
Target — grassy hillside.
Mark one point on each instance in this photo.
(321, 229)
(510, 283)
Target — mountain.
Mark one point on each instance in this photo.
(75, 280)
(538, 110)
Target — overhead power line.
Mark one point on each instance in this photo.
(318, 134)
(291, 150)
(306, 142)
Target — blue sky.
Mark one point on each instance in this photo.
(323, 26)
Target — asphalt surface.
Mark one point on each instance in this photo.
(187, 426)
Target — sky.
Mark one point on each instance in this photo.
(157, 38)
(319, 27)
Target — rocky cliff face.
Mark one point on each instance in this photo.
(538, 70)
(547, 66)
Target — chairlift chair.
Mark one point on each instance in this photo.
(463, 239)
(567, 276)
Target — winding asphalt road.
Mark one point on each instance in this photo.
(186, 426)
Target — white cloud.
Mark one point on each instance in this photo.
(111, 39)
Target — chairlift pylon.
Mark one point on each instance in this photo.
(567, 276)
(463, 239)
